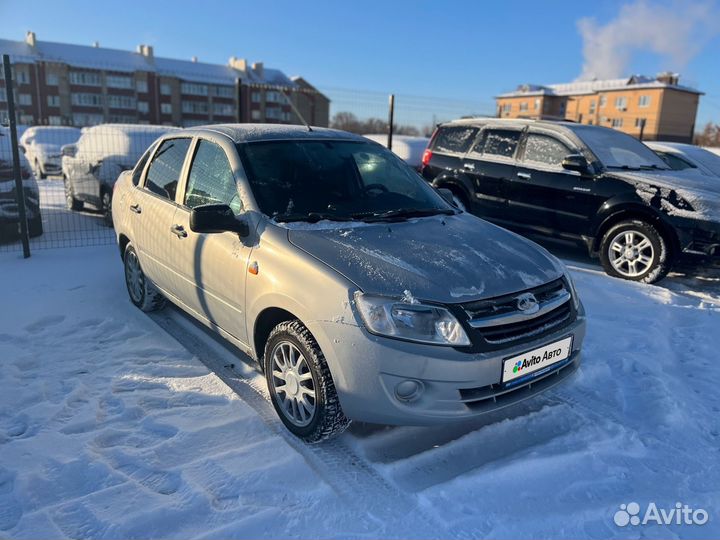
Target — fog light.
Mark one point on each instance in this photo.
(409, 390)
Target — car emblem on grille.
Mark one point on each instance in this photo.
(527, 303)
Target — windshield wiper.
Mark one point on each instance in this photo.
(310, 217)
(403, 213)
(654, 167)
(624, 167)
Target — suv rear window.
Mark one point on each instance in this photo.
(454, 139)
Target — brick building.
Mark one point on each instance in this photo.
(65, 84)
(660, 107)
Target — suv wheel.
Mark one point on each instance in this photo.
(70, 201)
(107, 208)
(300, 385)
(142, 293)
(635, 250)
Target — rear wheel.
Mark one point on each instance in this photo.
(70, 201)
(142, 293)
(107, 208)
(300, 384)
(635, 250)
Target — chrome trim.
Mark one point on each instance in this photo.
(518, 316)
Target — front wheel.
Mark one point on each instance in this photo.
(635, 250)
(142, 292)
(300, 384)
(107, 208)
(71, 202)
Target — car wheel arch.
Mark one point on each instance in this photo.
(457, 185)
(265, 321)
(641, 213)
(123, 241)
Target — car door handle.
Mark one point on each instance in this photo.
(179, 231)
(524, 175)
(136, 208)
(469, 166)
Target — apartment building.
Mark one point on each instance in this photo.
(65, 84)
(658, 108)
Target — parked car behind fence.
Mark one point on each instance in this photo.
(91, 167)
(9, 214)
(42, 145)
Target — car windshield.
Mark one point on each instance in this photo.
(706, 158)
(617, 150)
(56, 136)
(309, 180)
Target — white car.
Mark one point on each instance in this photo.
(687, 157)
(91, 166)
(42, 145)
(409, 149)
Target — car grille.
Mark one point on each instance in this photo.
(498, 321)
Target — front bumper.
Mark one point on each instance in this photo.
(699, 237)
(456, 385)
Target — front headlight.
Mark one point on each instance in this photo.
(410, 320)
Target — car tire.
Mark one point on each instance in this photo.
(71, 203)
(35, 227)
(293, 359)
(635, 250)
(141, 291)
(106, 206)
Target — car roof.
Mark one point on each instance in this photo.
(240, 133)
(515, 122)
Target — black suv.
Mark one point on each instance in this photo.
(588, 184)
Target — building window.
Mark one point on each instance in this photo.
(273, 113)
(194, 89)
(255, 114)
(51, 79)
(121, 102)
(640, 122)
(122, 119)
(141, 86)
(85, 78)
(592, 106)
(143, 107)
(506, 108)
(166, 108)
(223, 109)
(224, 91)
(523, 106)
(621, 103)
(84, 119)
(165, 89)
(256, 97)
(536, 104)
(195, 107)
(24, 99)
(53, 101)
(86, 100)
(275, 97)
(118, 81)
(22, 76)
(617, 122)
(644, 101)
(55, 120)
(27, 119)
(3, 95)
(603, 101)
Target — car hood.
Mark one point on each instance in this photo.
(46, 149)
(446, 259)
(683, 180)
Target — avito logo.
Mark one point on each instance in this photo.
(682, 514)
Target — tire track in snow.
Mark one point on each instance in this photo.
(352, 478)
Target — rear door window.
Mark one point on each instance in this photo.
(545, 150)
(454, 139)
(499, 143)
(164, 172)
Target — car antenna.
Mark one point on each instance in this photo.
(294, 108)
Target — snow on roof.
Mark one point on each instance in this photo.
(264, 132)
(591, 87)
(82, 56)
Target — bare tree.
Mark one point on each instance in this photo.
(347, 121)
(709, 136)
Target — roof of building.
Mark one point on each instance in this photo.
(82, 56)
(636, 82)
(267, 132)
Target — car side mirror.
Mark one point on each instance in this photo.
(217, 218)
(446, 194)
(69, 150)
(577, 163)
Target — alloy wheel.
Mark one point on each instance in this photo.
(134, 276)
(293, 384)
(631, 253)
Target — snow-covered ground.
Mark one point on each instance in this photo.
(114, 424)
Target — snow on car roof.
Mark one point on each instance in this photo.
(264, 132)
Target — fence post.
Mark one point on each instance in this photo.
(238, 83)
(391, 115)
(19, 191)
(642, 128)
